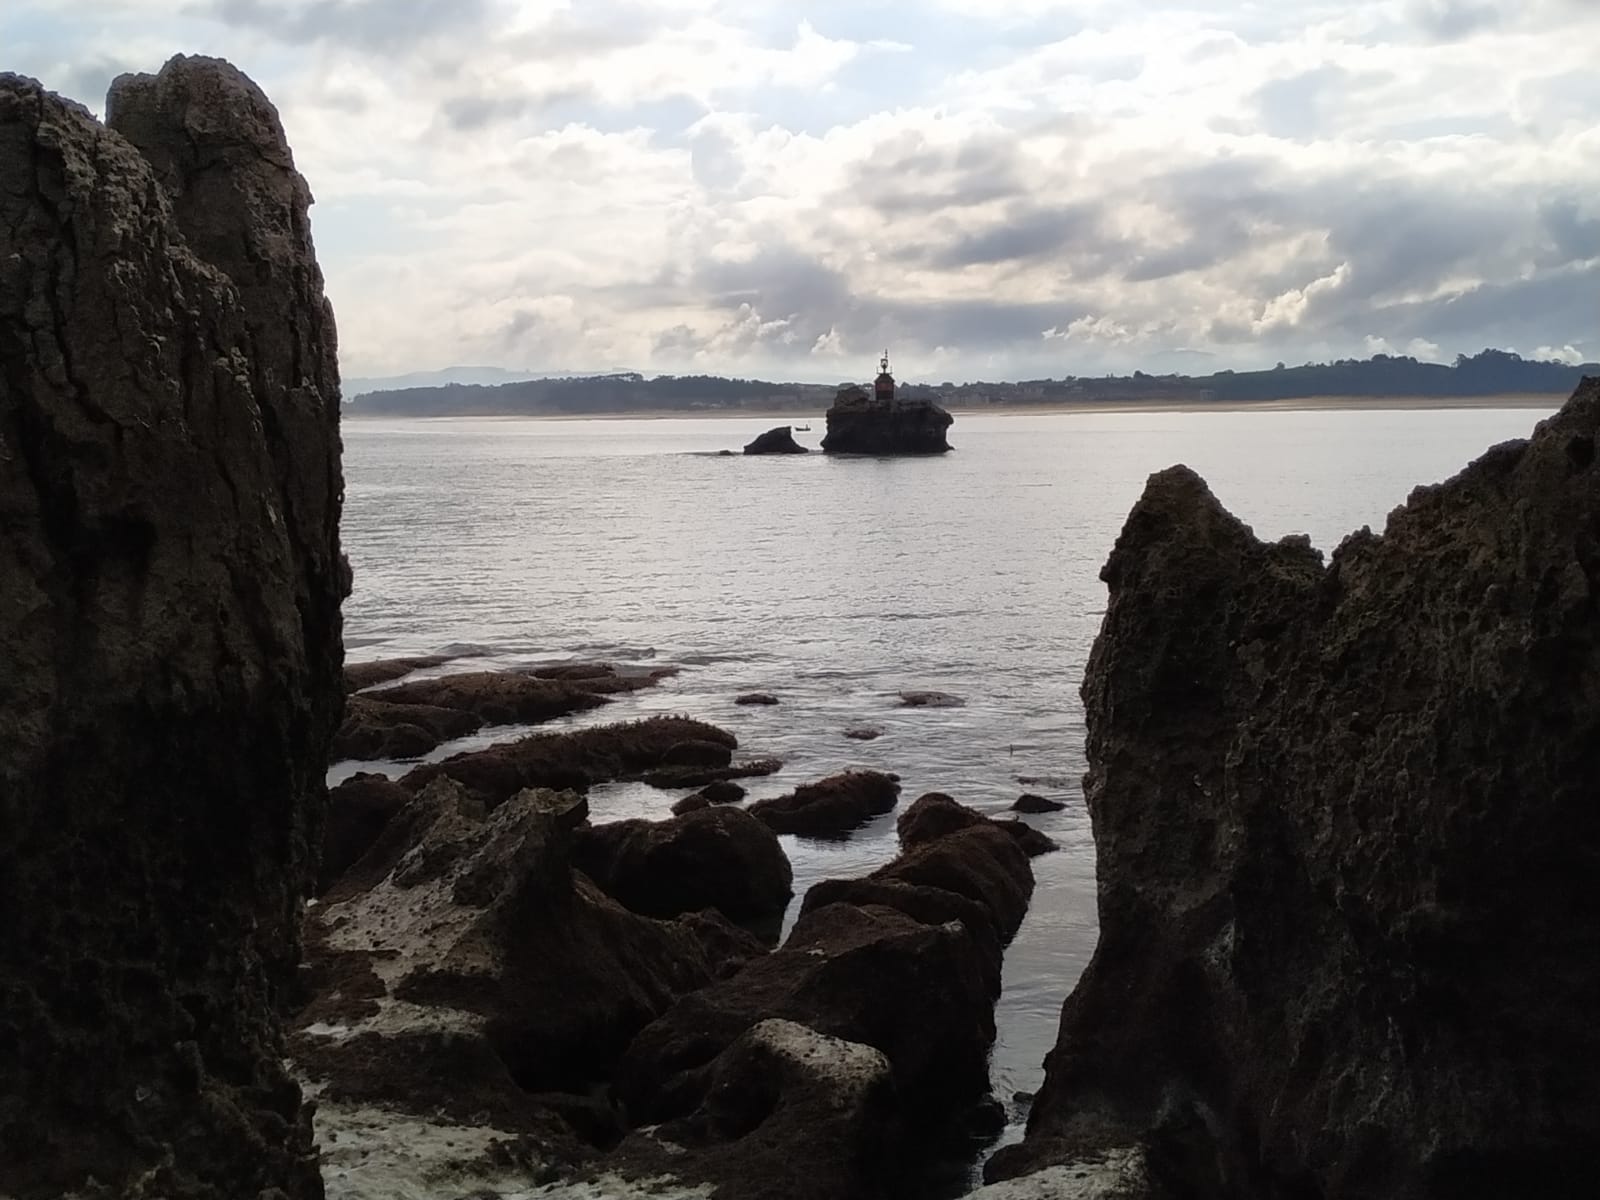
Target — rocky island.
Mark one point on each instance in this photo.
(883, 422)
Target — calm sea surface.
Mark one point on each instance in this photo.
(836, 583)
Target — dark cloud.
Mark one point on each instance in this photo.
(1553, 308)
(88, 81)
(906, 177)
(1450, 20)
(472, 113)
(1304, 106)
(1217, 210)
(1024, 233)
(777, 282)
(381, 25)
(1574, 233)
(1400, 238)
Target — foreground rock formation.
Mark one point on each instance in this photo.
(500, 994)
(170, 582)
(1347, 835)
(720, 858)
(466, 934)
(861, 423)
(890, 983)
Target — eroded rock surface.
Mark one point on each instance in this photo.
(579, 758)
(906, 962)
(463, 972)
(1347, 837)
(787, 1114)
(170, 581)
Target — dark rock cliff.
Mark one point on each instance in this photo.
(170, 582)
(858, 423)
(1348, 840)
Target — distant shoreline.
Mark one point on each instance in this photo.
(1550, 400)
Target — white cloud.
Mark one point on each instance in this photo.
(1567, 354)
(551, 185)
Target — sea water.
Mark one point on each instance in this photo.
(837, 583)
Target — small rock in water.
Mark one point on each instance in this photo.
(930, 700)
(755, 698)
(1028, 802)
(720, 792)
(863, 733)
(832, 807)
(695, 753)
(1030, 839)
(776, 441)
(693, 802)
(723, 792)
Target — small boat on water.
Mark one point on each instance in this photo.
(802, 429)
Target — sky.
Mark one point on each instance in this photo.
(990, 189)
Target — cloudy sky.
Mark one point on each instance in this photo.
(993, 189)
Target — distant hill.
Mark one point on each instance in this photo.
(620, 392)
(1489, 373)
(479, 376)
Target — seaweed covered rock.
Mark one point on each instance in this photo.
(935, 814)
(359, 676)
(374, 728)
(495, 697)
(578, 758)
(831, 807)
(170, 581)
(410, 719)
(1347, 836)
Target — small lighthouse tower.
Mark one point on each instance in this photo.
(883, 389)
